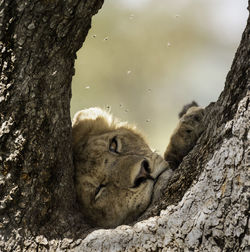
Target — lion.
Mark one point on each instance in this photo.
(116, 172)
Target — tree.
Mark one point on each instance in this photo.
(206, 206)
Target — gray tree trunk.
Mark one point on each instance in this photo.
(206, 206)
(38, 44)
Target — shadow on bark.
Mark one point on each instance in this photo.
(38, 208)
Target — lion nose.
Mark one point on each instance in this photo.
(143, 174)
(145, 167)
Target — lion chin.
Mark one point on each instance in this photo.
(117, 175)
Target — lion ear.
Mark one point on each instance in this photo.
(92, 121)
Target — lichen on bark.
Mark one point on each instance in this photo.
(212, 215)
(205, 208)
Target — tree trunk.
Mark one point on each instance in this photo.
(39, 40)
(206, 207)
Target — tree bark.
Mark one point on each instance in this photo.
(39, 40)
(204, 208)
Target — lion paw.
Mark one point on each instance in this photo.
(185, 135)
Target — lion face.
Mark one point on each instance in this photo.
(115, 170)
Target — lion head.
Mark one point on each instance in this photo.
(115, 170)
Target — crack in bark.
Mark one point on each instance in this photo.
(203, 216)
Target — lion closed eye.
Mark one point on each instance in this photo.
(115, 170)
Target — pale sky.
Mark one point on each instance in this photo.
(225, 13)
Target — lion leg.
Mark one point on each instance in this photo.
(185, 135)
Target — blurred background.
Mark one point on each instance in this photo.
(144, 59)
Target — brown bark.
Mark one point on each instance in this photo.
(39, 40)
(206, 207)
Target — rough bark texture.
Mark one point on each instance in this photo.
(213, 215)
(38, 212)
(38, 44)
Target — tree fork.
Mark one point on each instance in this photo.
(206, 206)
